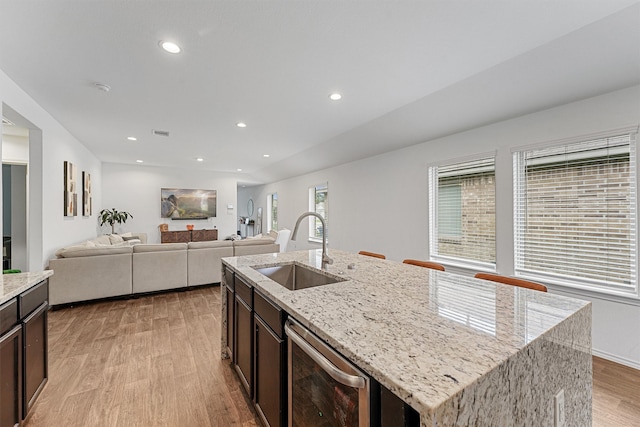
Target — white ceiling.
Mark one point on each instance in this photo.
(409, 71)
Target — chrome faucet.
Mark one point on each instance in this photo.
(325, 257)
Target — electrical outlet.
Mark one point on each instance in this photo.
(559, 409)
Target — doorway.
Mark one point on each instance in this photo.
(15, 161)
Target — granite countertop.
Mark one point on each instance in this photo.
(12, 285)
(423, 334)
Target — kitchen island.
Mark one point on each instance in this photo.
(458, 350)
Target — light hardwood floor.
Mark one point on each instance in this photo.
(151, 361)
(155, 361)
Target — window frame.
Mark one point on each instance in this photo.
(433, 190)
(313, 221)
(582, 284)
(271, 197)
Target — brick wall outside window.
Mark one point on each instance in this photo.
(477, 239)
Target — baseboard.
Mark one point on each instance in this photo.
(612, 357)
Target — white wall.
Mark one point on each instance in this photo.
(19, 255)
(50, 144)
(380, 203)
(15, 149)
(136, 189)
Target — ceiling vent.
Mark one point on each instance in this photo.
(160, 132)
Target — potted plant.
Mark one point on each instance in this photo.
(112, 216)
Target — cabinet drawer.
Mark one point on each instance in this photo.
(272, 315)
(244, 291)
(33, 298)
(8, 315)
(228, 277)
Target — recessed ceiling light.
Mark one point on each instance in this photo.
(170, 47)
(335, 96)
(199, 159)
(241, 124)
(139, 161)
(132, 138)
(239, 170)
(266, 155)
(101, 86)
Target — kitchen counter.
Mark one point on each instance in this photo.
(459, 350)
(12, 285)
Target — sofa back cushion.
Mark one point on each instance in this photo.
(253, 242)
(86, 250)
(211, 244)
(159, 247)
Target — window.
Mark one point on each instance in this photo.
(575, 213)
(272, 211)
(462, 212)
(318, 203)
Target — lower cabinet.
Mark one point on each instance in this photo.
(270, 369)
(243, 330)
(11, 375)
(230, 296)
(230, 323)
(23, 352)
(34, 333)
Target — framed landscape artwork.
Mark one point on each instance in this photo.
(87, 199)
(70, 190)
(180, 203)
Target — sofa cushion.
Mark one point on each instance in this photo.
(252, 242)
(159, 247)
(102, 240)
(85, 250)
(211, 244)
(115, 239)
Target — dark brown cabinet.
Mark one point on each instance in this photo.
(269, 362)
(230, 295)
(33, 306)
(10, 365)
(34, 333)
(23, 352)
(243, 316)
(186, 236)
(255, 336)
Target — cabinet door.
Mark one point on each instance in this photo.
(11, 374)
(269, 372)
(230, 324)
(243, 354)
(35, 361)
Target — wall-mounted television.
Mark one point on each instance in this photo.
(182, 203)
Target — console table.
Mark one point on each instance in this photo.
(186, 236)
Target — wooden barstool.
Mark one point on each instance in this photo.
(512, 281)
(426, 264)
(373, 254)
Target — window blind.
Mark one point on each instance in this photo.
(575, 213)
(462, 217)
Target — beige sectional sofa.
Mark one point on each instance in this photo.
(95, 269)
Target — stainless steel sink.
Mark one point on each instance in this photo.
(295, 276)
